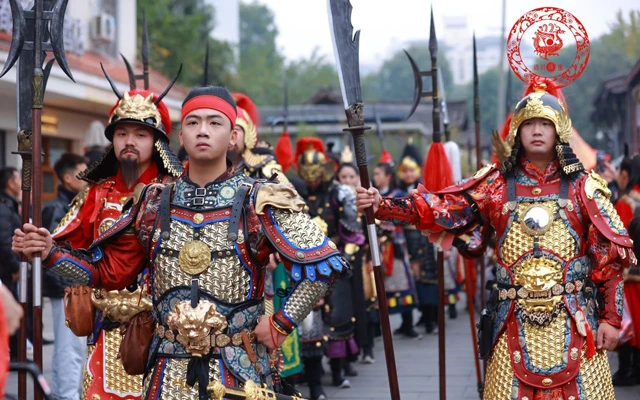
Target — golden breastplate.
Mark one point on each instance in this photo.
(184, 252)
(536, 247)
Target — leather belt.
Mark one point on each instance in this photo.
(220, 340)
(514, 292)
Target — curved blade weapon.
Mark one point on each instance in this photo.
(44, 21)
(345, 46)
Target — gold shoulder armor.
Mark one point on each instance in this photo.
(483, 171)
(280, 196)
(75, 205)
(252, 159)
(595, 182)
(272, 167)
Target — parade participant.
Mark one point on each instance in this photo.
(256, 162)
(399, 282)
(332, 206)
(561, 251)
(422, 255)
(138, 129)
(207, 239)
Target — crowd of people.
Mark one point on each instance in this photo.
(250, 271)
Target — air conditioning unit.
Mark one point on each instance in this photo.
(103, 28)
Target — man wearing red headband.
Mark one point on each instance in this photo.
(207, 239)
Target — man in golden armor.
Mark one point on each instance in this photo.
(138, 129)
(256, 162)
(556, 305)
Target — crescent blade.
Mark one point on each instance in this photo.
(345, 49)
(17, 38)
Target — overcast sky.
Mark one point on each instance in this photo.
(387, 24)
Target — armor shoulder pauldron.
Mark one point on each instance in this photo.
(278, 195)
(595, 197)
(74, 206)
(298, 239)
(129, 212)
(466, 184)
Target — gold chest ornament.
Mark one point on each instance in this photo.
(540, 277)
(194, 258)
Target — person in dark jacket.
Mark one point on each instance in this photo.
(10, 187)
(68, 351)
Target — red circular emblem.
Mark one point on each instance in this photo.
(545, 34)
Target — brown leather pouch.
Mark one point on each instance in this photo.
(136, 340)
(78, 310)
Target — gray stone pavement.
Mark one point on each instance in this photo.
(417, 363)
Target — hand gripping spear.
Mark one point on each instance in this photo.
(436, 176)
(31, 30)
(345, 46)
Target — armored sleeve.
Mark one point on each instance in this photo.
(312, 260)
(455, 210)
(115, 258)
(609, 247)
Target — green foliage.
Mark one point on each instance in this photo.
(178, 31)
(625, 34)
(394, 80)
(306, 76)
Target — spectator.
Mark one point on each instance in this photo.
(68, 351)
(10, 189)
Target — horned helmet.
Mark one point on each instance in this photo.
(143, 107)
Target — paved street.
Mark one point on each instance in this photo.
(417, 366)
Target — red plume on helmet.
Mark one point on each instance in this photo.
(243, 101)
(546, 84)
(305, 143)
(284, 151)
(385, 158)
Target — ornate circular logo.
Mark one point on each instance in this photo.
(547, 35)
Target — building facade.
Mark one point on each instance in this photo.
(96, 31)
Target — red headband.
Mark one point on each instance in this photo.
(210, 102)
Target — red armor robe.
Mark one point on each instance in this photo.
(91, 214)
(551, 268)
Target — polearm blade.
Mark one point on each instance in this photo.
(45, 20)
(345, 47)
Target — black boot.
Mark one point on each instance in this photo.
(313, 372)
(635, 364)
(337, 379)
(423, 316)
(453, 312)
(349, 370)
(625, 375)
